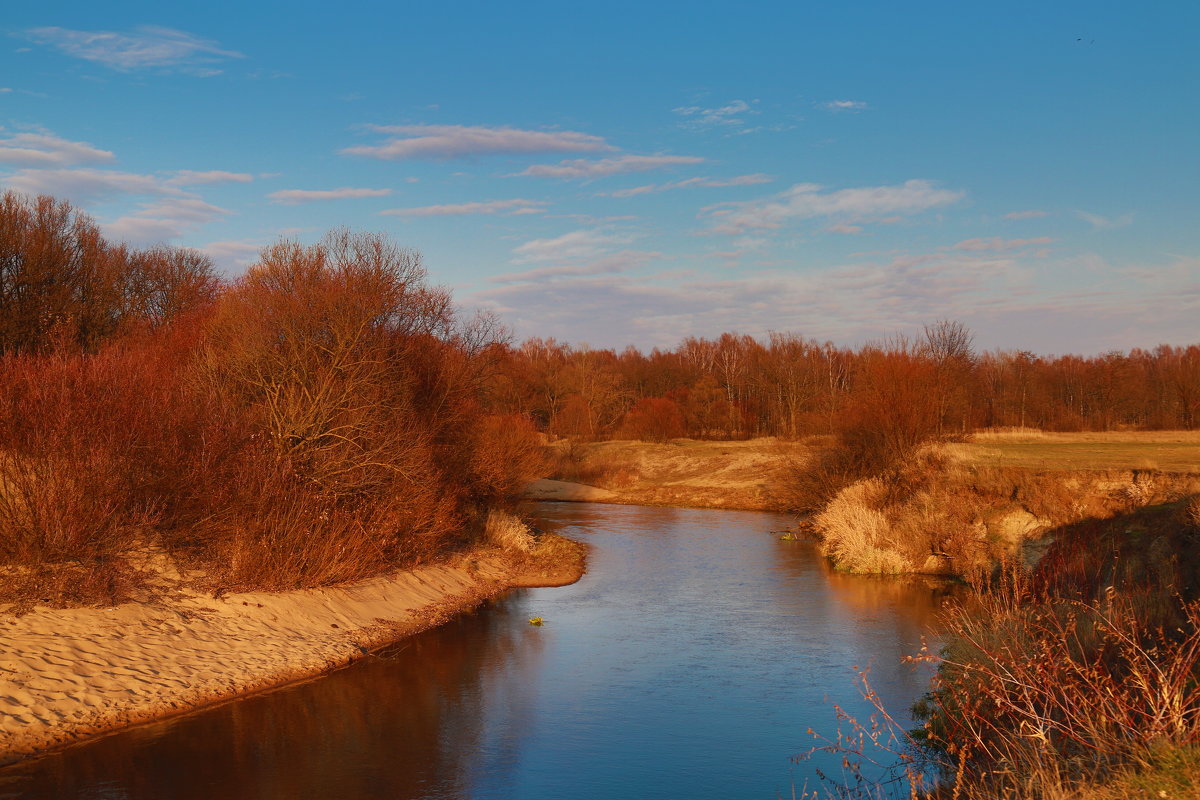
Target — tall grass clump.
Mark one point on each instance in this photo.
(857, 536)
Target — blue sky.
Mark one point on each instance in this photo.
(632, 173)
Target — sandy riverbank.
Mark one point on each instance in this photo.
(66, 674)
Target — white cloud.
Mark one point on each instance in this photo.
(513, 206)
(842, 227)
(845, 105)
(582, 168)
(48, 150)
(807, 201)
(85, 185)
(726, 115)
(1010, 302)
(575, 245)
(231, 255)
(5, 90)
(845, 303)
(1104, 223)
(604, 265)
(188, 177)
(1030, 214)
(693, 183)
(997, 245)
(164, 219)
(146, 46)
(296, 196)
(457, 141)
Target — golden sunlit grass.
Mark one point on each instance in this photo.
(1169, 451)
(682, 472)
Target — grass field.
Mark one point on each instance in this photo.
(1169, 451)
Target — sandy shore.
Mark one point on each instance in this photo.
(565, 491)
(66, 674)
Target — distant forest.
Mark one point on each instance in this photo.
(738, 386)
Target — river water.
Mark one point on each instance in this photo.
(688, 663)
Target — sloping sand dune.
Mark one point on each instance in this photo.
(69, 673)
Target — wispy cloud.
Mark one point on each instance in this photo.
(232, 254)
(997, 245)
(167, 211)
(293, 197)
(48, 150)
(729, 115)
(692, 183)
(513, 206)
(189, 177)
(844, 105)
(614, 263)
(164, 219)
(457, 141)
(844, 302)
(807, 201)
(1104, 223)
(1029, 214)
(582, 244)
(582, 168)
(84, 185)
(147, 46)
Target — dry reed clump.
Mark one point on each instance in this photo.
(1006, 434)
(507, 532)
(857, 536)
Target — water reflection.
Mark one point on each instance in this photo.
(688, 662)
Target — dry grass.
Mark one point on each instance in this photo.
(507, 532)
(1044, 696)
(1078, 680)
(683, 472)
(553, 560)
(857, 536)
(940, 514)
(1169, 451)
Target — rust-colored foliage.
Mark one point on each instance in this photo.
(317, 421)
(654, 419)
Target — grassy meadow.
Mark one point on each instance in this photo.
(1168, 451)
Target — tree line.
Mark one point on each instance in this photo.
(736, 386)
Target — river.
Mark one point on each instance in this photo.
(688, 663)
